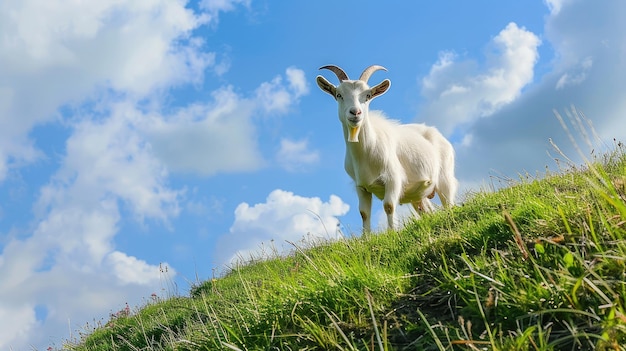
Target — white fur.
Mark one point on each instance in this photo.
(398, 163)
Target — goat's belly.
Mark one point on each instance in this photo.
(412, 197)
(417, 191)
(413, 192)
(377, 188)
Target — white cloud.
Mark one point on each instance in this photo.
(107, 163)
(127, 45)
(283, 216)
(555, 5)
(130, 270)
(221, 136)
(22, 318)
(575, 76)
(587, 72)
(274, 97)
(134, 48)
(116, 159)
(48, 302)
(64, 270)
(112, 155)
(213, 7)
(58, 52)
(116, 53)
(297, 81)
(295, 156)
(459, 92)
(208, 139)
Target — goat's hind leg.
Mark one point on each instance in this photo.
(423, 206)
(447, 192)
(448, 185)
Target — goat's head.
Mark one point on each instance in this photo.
(353, 96)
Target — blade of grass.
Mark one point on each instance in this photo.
(369, 303)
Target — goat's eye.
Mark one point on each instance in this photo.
(339, 96)
(367, 97)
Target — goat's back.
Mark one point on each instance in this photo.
(422, 150)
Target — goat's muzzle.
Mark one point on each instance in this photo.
(355, 111)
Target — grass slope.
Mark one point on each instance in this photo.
(539, 265)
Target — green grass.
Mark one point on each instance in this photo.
(539, 265)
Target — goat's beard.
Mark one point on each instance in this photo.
(353, 134)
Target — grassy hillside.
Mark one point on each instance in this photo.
(540, 265)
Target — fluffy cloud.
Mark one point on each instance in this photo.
(22, 319)
(297, 82)
(587, 73)
(295, 156)
(65, 266)
(112, 155)
(576, 75)
(183, 141)
(71, 248)
(282, 217)
(58, 52)
(122, 155)
(118, 155)
(460, 92)
(127, 45)
(188, 141)
(555, 5)
(275, 97)
(214, 7)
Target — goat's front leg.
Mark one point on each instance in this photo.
(392, 197)
(365, 208)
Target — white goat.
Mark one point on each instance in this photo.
(399, 163)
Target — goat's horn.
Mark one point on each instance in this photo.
(365, 76)
(338, 71)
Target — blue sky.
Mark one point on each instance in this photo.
(145, 144)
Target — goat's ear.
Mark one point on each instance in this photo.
(326, 86)
(380, 89)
